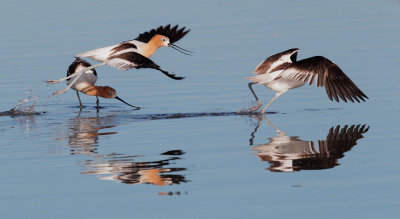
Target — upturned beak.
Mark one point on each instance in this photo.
(127, 103)
(182, 50)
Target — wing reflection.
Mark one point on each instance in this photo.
(289, 153)
(83, 138)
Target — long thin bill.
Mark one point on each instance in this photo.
(127, 103)
(182, 50)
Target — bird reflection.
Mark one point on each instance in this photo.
(84, 132)
(83, 137)
(289, 153)
(126, 170)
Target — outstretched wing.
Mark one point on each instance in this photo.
(174, 34)
(128, 60)
(327, 74)
(340, 140)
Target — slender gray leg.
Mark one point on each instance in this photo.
(256, 107)
(272, 100)
(80, 103)
(97, 103)
(253, 134)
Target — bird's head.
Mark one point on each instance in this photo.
(163, 41)
(160, 40)
(109, 92)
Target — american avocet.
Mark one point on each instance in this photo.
(134, 53)
(282, 72)
(85, 83)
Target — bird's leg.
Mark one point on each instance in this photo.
(80, 103)
(73, 75)
(272, 100)
(253, 134)
(78, 75)
(97, 103)
(256, 107)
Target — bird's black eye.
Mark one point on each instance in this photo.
(163, 39)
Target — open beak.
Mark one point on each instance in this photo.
(182, 50)
(127, 103)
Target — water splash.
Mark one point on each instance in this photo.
(24, 107)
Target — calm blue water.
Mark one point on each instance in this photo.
(186, 153)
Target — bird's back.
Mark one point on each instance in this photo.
(102, 54)
(87, 79)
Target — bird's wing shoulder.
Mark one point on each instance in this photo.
(277, 61)
(127, 46)
(79, 63)
(266, 65)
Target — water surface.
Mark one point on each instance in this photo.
(186, 152)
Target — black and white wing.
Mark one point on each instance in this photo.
(340, 140)
(268, 65)
(79, 64)
(327, 74)
(128, 60)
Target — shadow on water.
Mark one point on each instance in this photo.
(83, 136)
(289, 153)
(143, 117)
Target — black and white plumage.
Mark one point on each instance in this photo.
(86, 80)
(282, 72)
(86, 83)
(135, 53)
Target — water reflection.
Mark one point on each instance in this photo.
(83, 138)
(290, 153)
(126, 170)
(84, 132)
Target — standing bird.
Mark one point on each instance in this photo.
(134, 53)
(282, 72)
(85, 84)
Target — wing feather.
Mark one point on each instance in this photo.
(128, 60)
(174, 34)
(329, 75)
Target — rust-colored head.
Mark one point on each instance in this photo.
(159, 41)
(106, 92)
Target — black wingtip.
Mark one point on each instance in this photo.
(173, 76)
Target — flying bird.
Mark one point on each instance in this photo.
(86, 83)
(282, 72)
(134, 53)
